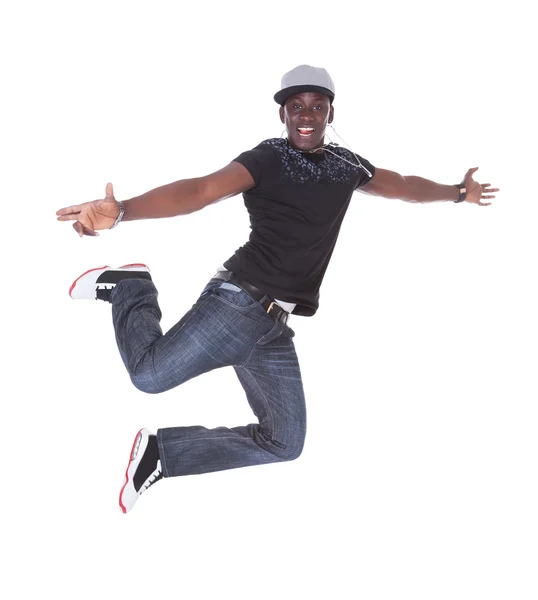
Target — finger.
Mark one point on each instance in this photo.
(72, 217)
(484, 203)
(488, 196)
(469, 175)
(485, 187)
(83, 230)
(109, 191)
(69, 210)
(78, 228)
(90, 232)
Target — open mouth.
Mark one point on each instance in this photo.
(305, 132)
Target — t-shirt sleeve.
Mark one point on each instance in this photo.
(366, 172)
(259, 161)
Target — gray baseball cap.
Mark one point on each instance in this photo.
(305, 78)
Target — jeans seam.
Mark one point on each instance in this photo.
(194, 311)
(162, 454)
(256, 343)
(212, 438)
(250, 307)
(267, 405)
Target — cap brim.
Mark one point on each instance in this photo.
(283, 95)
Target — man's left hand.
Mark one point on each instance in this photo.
(476, 192)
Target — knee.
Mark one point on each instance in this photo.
(292, 449)
(293, 452)
(148, 383)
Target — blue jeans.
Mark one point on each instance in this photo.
(226, 327)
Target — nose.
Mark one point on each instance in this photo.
(307, 116)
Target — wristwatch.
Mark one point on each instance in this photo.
(463, 192)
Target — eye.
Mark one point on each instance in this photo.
(296, 106)
(318, 107)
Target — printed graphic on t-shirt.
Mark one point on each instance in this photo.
(298, 167)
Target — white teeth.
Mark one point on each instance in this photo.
(305, 131)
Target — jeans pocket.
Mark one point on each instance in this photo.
(234, 295)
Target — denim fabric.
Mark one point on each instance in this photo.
(225, 328)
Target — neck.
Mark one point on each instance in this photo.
(318, 150)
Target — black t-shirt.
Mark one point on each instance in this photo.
(296, 209)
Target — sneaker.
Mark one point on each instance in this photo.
(96, 284)
(143, 470)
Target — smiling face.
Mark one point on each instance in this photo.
(306, 117)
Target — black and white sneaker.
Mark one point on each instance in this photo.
(143, 470)
(96, 284)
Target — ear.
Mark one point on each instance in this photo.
(331, 114)
(281, 111)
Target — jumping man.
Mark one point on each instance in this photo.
(296, 191)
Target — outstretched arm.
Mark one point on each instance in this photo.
(178, 198)
(389, 184)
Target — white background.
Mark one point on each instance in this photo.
(418, 477)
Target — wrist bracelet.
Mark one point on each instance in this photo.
(463, 192)
(120, 216)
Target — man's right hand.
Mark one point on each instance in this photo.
(92, 216)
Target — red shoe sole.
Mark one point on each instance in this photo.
(134, 265)
(85, 273)
(123, 509)
(105, 267)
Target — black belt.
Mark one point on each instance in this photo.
(271, 307)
